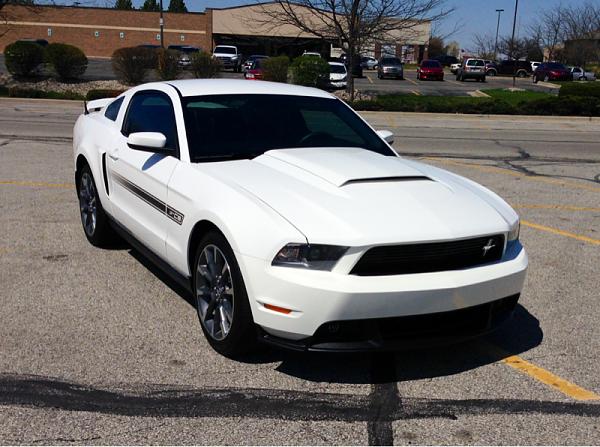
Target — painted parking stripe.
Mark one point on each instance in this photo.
(410, 80)
(544, 376)
(415, 92)
(37, 184)
(559, 232)
(505, 171)
(369, 78)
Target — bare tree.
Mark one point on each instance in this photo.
(355, 24)
(549, 32)
(485, 46)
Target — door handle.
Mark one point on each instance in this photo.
(114, 155)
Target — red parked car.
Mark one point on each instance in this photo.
(430, 69)
(255, 71)
(552, 71)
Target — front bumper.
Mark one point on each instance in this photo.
(316, 298)
(432, 76)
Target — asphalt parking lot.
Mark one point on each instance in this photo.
(98, 347)
(101, 69)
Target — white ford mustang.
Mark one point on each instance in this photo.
(292, 221)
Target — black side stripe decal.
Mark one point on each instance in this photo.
(154, 202)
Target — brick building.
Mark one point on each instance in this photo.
(100, 31)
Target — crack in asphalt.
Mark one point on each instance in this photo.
(261, 403)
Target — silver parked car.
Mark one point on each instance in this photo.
(579, 74)
(390, 67)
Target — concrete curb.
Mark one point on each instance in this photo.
(474, 116)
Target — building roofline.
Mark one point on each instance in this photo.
(103, 8)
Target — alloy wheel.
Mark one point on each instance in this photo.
(214, 292)
(87, 203)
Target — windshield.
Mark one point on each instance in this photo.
(244, 126)
(475, 63)
(431, 64)
(225, 50)
(555, 66)
(390, 61)
(337, 69)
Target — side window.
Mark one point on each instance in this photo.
(151, 111)
(112, 111)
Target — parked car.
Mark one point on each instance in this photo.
(454, 67)
(390, 67)
(289, 220)
(186, 53)
(255, 72)
(229, 56)
(251, 59)
(430, 69)
(522, 69)
(552, 71)
(446, 60)
(534, 65)
(311, 53)
(338, 75)
(491, 68)
(368, 62)
(579, 74)
(471, 69)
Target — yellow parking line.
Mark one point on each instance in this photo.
(410, 80)
(544, 376)
(37, 184)
(414, 92)
(579, 237)
(453, 82)
(503, 171)
(369, 78)
(557, 207)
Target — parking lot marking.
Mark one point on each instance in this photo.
(410, 80)
(453, 82)
(369, 78)
(36, 184)
(557, 207)
(504, 171)
(579, 237)
(414, 92)
(544, 376)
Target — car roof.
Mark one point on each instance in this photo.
(336, 63)
(198, 87)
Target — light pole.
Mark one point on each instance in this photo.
(512, 44)
(499, 11)
(162, 25)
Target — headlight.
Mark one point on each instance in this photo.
(513, 234)
(309, 256)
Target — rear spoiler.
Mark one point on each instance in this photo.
(97, 104)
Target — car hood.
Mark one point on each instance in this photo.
(351, 196)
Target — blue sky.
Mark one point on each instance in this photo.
(475, 16)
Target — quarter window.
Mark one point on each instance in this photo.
(112, 111)
(152, 111)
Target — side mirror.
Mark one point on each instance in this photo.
(148, 142)
(387, 136)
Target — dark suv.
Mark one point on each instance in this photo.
(521, 68)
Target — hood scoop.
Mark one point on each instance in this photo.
(341, 166)
(409, 178)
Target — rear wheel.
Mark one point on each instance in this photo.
(96, 225)
(521, 73)
(221, 298)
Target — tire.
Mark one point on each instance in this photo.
(95, 222)
(483, 79)
(521, 74)
(237, 336)
(491, 73)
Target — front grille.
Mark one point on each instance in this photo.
(429, 257)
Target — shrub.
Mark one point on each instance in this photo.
(17, 92)
(562, 105)
(102, 93)
(167, 64)
(275, 69)
(204, 66)
(587, 89)
(21, 58)
(309, 71)
(132, 64)
(68, 61)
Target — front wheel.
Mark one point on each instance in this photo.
(221, 299)
(95, 222)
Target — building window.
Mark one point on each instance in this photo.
(49, 32)
(182, 37)
(158, 37)
(96, 33)
(122, 35)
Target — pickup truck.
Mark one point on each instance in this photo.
(229, 57)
